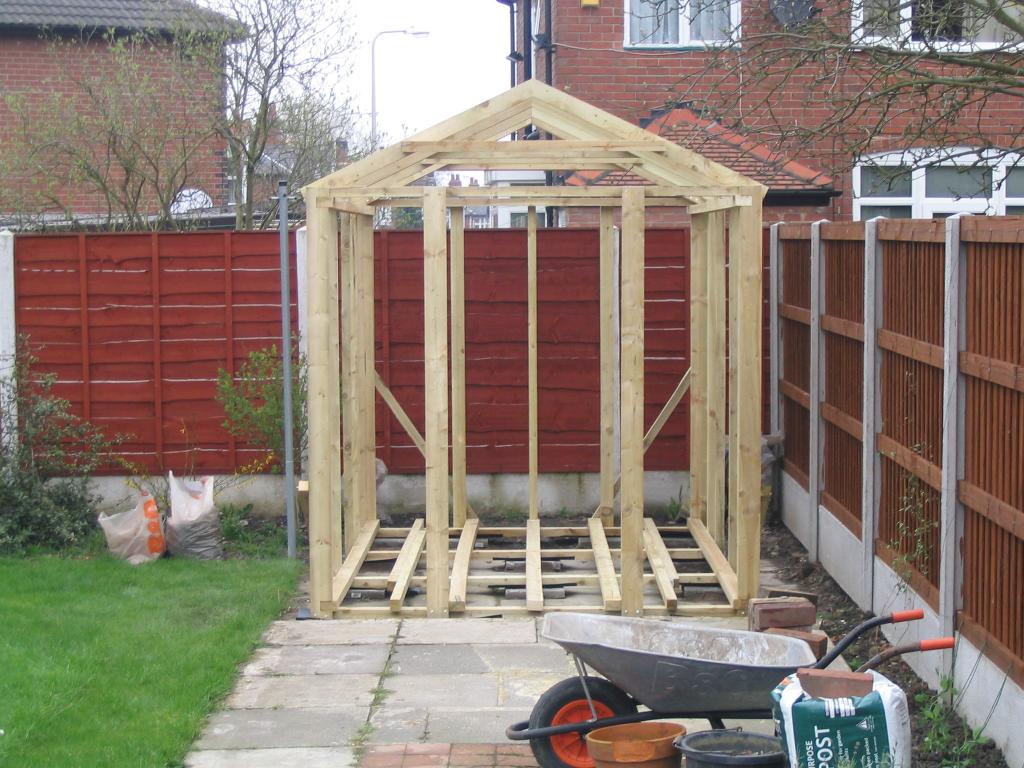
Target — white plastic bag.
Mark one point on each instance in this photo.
(193, 528)
(136, 535)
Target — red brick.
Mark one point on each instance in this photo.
(768, 612)
(816, 639)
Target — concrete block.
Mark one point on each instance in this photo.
(302, 692)
(765, 612)
(284, 757)
(816, 639)
(270, 728)
(318, 660)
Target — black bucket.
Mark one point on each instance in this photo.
(710, 748)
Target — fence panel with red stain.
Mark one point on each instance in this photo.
(136, 326)
(795, 347)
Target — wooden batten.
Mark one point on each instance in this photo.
(458, 353)
(460, 566)
(608, 581)
(698, 363)
(343, 525)
(534, 579)
(715, 380)
(401, 575)
(664, 570)
(609, 333)
(632, 401)
(363, 375)
(435, 348)
(531, 355)
(361, 545)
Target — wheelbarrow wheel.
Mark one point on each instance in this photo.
(564, 703)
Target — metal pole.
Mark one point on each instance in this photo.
(286, 358)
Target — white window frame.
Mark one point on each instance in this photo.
(735, 16)
(903, 41)
(924, 207)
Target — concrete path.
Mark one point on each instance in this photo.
(334, 693)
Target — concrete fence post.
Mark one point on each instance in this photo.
(302, 306)
(816, 390)
(8, 340)
(774, 345)
(871, 417)
(951, 520)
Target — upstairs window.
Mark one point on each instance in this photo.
(681, 23)
(940, 24)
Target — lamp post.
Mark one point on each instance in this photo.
(373, 75)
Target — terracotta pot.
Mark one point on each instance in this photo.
(637, 745)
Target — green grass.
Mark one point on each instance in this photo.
(108, 665)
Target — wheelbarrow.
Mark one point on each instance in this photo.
(675, 670)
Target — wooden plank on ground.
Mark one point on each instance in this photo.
(534, 583)
(661, 564)
(719, 563)
(403, 570)
(609, 582)
(460, 566)
(353, 561)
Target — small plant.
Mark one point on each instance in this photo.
(46, 456)
(941, 737)
(915, 525)
(253, 402)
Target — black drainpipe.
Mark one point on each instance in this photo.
(527, 40)
(549, 50)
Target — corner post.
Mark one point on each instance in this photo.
(609, 334)
(458, 353)
(322, 400)
(364, 439)
(435, 353)
(745, 309)
(632, 402)
(699, 353)
(715, 378)
(872, 413)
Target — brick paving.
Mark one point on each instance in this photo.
(447, 756)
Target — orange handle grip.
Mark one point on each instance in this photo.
(907, 616)
(938, 644)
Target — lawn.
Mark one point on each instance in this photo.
(104, 664)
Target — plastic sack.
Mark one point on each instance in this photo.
(136, 535)
(862, 731)
(193, 527)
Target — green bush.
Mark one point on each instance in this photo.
(253, 401)
(46, 456)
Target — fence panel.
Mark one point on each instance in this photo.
(992, 490)
(842, 325)
(795, 344)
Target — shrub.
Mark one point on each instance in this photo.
(253, 401)
(46, 456)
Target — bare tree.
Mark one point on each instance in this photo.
(292, 52)
(835, 81)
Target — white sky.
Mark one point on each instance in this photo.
(421, 81)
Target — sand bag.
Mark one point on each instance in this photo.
(867, 731)
(136, 535)
(193, 528)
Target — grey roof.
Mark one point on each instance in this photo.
(134, 15)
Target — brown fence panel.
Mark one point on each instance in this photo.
(842, 325)
(910, 441)
(136, 326)
(795, 346)
(993, 487)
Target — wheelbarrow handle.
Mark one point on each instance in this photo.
(936, 644)
(864, 626)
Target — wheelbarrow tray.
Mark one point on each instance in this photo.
(680, 668)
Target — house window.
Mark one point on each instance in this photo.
(944, 24)
(517, 219)
(924, 184)
(681, 22)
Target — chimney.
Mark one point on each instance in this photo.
(340, 153)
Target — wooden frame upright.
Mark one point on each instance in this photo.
(343, 381)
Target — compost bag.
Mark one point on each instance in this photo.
(193, 528)
(137, 534)
(861, 731)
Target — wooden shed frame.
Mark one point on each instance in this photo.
(340, 215)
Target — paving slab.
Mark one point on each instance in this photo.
(429, 690)
(269, 728)
(331, 632)
(302, 692)
(318, 660)
(467, 631)
(438, 660)
(472, 726)
(519, 688)
(287, 757)
(535, 656)
(398, 725)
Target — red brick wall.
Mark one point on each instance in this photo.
(591, 64)
(33, 70)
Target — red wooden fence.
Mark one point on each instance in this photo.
(136, 327)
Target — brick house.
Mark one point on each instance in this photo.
(635, 57)
(64, 65)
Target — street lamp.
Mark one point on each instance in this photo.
(373, 75)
